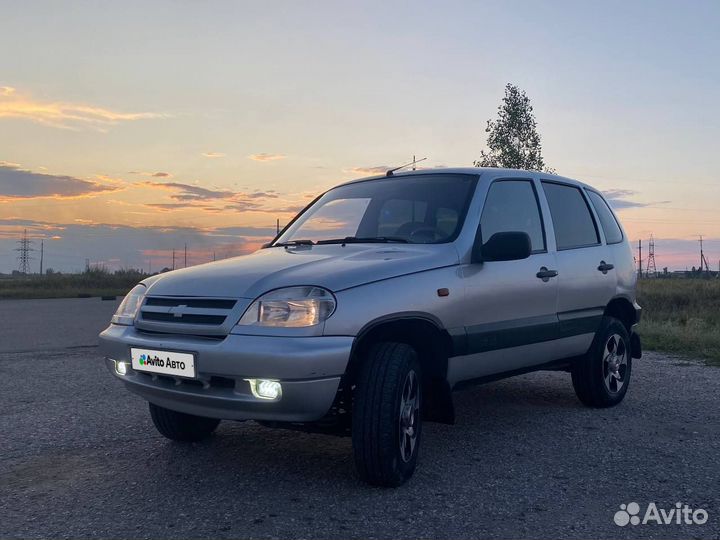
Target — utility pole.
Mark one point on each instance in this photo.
(639, 258)
(42, 253)
(650, 268)
(87, 265)
(414, 162)
(214, 259)
(24, 248)
(185, 255)
(277, 226)
(173, 266)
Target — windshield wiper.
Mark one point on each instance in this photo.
(294, 243)
(364, 240)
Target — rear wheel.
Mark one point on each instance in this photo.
(601, 377)
(181, 426)
(386, 423)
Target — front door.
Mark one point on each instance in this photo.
(509, 306)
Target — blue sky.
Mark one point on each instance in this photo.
(289, 98)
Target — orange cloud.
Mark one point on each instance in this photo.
(213, 155)
(263, 156)
(378, 169)
(63, 115)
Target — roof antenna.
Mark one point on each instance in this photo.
(413, 162)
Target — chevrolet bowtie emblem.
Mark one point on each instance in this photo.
(177, 311)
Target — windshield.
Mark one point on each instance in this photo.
(419, 209)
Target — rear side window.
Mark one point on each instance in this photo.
(572, 220)
(511, 205)
(613, 234)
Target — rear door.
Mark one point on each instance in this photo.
(586, 277)
(618, 254)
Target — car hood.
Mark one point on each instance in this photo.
(334, 267)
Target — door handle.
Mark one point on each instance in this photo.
(546, 274)
(604, 267)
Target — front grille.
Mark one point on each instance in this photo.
(153, 334)
(195, 315)
(189, 319)
(206, 303)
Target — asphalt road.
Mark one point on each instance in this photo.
(79, 456)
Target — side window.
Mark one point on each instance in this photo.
(572, 220)
(511, 205)
(395, 213)
(613, 233)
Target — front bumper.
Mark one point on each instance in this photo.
(309, 369)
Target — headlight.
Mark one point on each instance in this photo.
(128, 308)
(290, 307)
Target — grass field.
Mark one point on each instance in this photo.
(681, 316)
(91, 283)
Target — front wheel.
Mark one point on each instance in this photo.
(601, 377)
(386, 421)
(181, 426)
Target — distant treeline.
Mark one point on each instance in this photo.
(682, 274)
(92, 282)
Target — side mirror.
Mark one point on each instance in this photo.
(505, 246)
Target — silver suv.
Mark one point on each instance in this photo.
(378, 300)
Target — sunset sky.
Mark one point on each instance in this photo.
(128, 129)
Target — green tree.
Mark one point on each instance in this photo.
(513, 141)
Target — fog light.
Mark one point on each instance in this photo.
(265, 389)
(120, 367)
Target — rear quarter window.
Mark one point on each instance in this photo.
(613, 233)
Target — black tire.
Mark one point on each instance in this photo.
(382, 456)
(599, 378)
(180, 426)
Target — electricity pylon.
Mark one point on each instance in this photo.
(24, 249)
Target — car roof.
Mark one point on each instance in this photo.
(484, 172)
